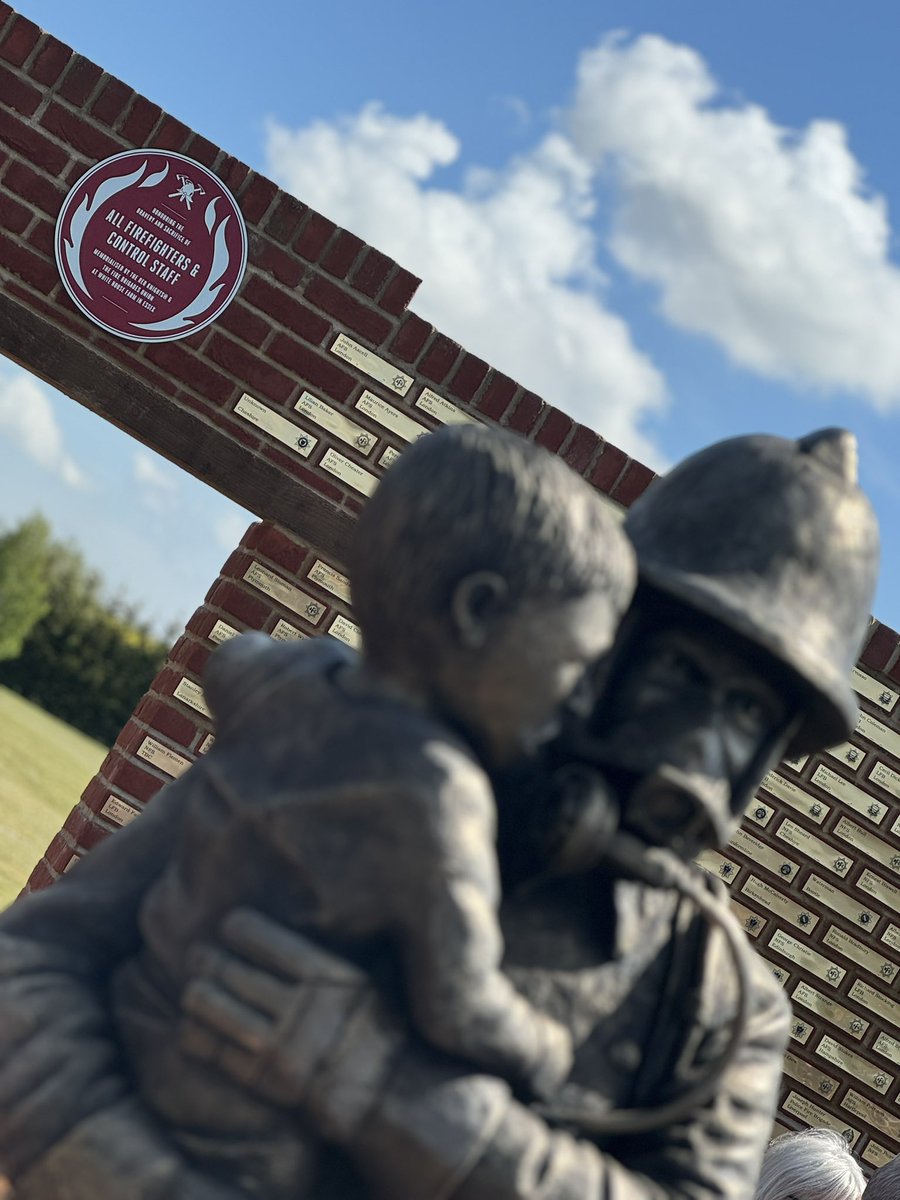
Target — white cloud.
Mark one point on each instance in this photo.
(229, 527)
(28, 421)
(764, 239)
(508, 261)
(157, 482)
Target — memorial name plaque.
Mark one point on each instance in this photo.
(759, 813)
(806, 1073)
(349, 472)
(813, 847)
(888, 1046)
(335, 422)
(717, 864)
(797, 764)
(391, 418)
(222, 632)
(817, 1118)
(886, 738)
(840, 902)
(874, 847)
(285, 632)
(331, 580)
(285, 593)
(803, 956)
(763, 855)
(891, 937)
(442, 410)
(870, 960)
(207, 744)
(876, 1155)
(833, 1012)
(847, 755)
(791, 794)
(800, 1031)
(875, 1002)
(345, 631)
(866, 686)
(854, 1064)
(850, 794)
(373, 366)
(388, 457)
(150, 245)
(161, 757)
(874, 885)
(279, 427)
(868, 1111)
(118, 811)
(882, 774)
(191, 693)
(766, 896)
(751, 922)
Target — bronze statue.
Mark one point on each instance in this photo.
(676, 1064)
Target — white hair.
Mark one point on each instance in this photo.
(813, 1165)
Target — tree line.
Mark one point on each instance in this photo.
(64, 644)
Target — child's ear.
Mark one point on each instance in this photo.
(477, 600)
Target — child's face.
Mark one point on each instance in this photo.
(532, 660)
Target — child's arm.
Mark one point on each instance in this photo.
(452, 947)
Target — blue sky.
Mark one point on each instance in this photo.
(676, 221)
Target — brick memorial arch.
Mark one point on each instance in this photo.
(292, 403)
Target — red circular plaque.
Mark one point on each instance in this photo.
(150, 245)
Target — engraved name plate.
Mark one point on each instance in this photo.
(874, 1002)
(161, 757)
(876, 1154)
(118, 811)
(870, 960)
(759, 813)
(763, 855)
(222, 632)
(857, 1066)
(279, 427)
(847, 755)
(793, 795)
(349, 472)
(866, 1110)
(285, 593)
(800, 1031)
(370, 364)
(750, 921)
(849, 831)
(797, 764)
(886, 738)
(814, 962)
(874, 885)
(389, 457)
(865, 685)
(833, 1012)
(191, 693)
(882, 774)
(285, 632)
(717, 864)
(766, 896)
(888, 1046)
(817, 1118)
(391, 418)
(331, 580)
(795, 835)
(840, 902)
(207, 744)
(891, 937)
(345, 631)
(335, 422)
(442, 410)
(850, 794)
(806, 1073)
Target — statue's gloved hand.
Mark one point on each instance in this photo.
(297, 1025)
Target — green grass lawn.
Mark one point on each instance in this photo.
(44, 767)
